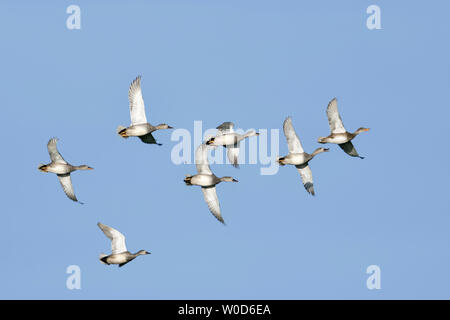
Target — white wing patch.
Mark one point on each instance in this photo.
(233, 154)
(66, 184)
(55, 156)
(137, 107)
(293, 141)
(334, 119)
(212, 201)
(226, 127)
(201, 160)
(117, 238)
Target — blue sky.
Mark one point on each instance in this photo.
(253, 63)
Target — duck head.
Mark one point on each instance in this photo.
(142, 252)
(362, 129)
(228, 179)
(163, 126)
(320, 150)
(43, 167)
(84, 167)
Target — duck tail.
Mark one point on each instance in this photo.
(102, 257)
(187, 180)
(122, 131)
(280, 161)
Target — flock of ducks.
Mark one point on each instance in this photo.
(204, 178)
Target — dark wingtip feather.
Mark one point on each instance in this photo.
(219, 218)
(310, 188)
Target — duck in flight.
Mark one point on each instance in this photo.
(119, 255)
(208, 181)
(339, 134)
(230, 140)
(139, 126)
(62, 169)
(297, 156)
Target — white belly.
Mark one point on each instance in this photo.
(116, 259)
(59, 168)
(226, 139)
(338, 139)
(138, 130)
(295, 158)
(203, 180)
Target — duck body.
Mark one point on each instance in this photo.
(339, 135)
(203, 180)
(206, 179)
(119, 255)
(229, 139)
(59, 168)
(295, 158)
(139, 125)
(137, 130)
(338, 138)
(62, 169)
(298, 157)
(120, 258)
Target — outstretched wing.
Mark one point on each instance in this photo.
(306, 175)
(66, 184)
(233, 154)
(122, 264)
(293, 141)
(117, 238)
(334, 119)
(137, 107)
(148, 138)
(226, 127)
(201, 160)
(211, 199)
(350, 149)
(55, 156)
